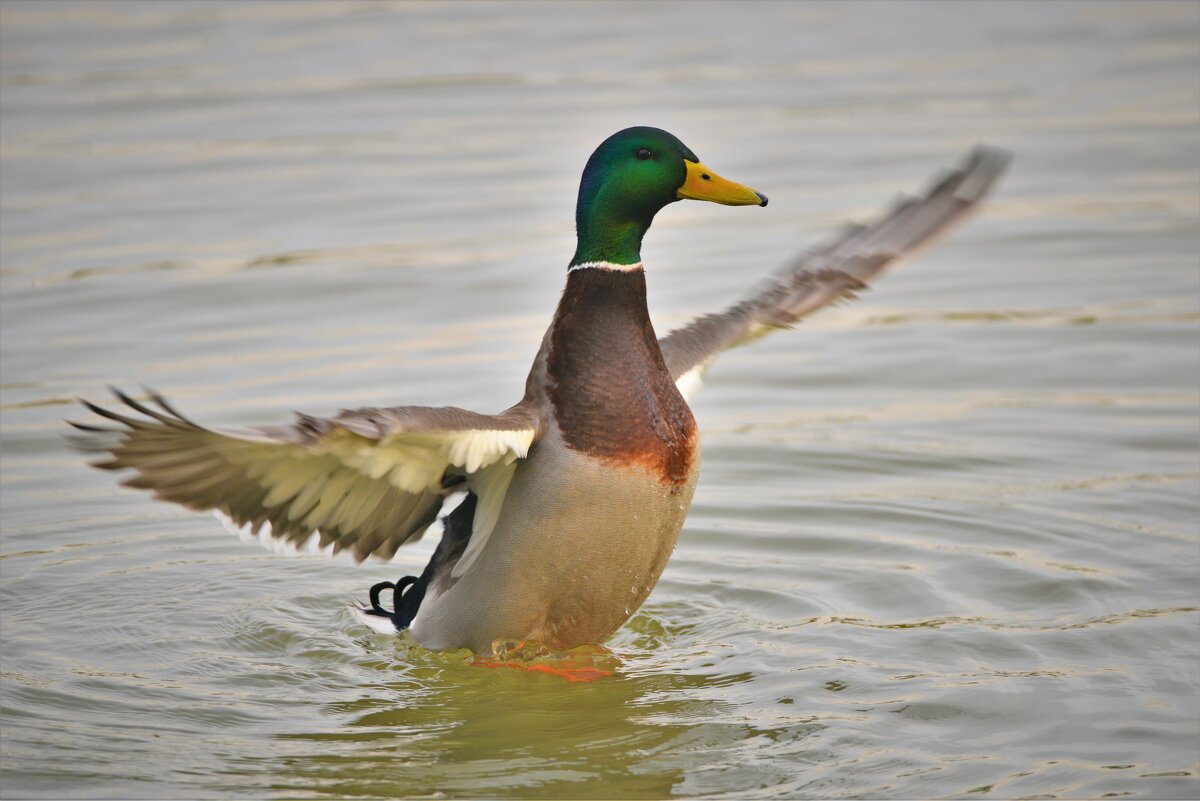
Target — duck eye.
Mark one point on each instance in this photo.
(643, 153)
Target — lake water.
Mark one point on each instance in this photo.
(947, 538)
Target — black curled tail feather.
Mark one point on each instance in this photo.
(407, 594)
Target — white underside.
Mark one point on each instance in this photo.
(383, 625)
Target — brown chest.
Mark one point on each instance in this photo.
(612, 395)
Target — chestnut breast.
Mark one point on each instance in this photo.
(612, 396)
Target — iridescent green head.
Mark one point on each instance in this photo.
(633, 174)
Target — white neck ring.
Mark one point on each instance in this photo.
(605, 265)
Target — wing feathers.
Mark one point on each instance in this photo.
(837, 269)
(368, 480)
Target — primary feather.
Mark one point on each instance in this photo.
(368, 480)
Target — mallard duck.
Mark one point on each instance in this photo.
(575, 496)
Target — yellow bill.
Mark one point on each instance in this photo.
(704, 184)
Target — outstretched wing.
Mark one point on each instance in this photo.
(837, 269)
(368, 480)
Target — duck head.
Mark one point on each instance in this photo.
(633, 174)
